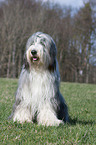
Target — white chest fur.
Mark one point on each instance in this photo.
(40, 89)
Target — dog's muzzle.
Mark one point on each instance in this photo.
(34, 56)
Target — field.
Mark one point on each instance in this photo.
(81, 100)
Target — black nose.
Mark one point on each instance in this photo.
(33, 52)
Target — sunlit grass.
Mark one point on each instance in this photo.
(81, 100)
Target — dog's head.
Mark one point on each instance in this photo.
(41, 52)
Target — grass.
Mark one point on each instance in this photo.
(81, 100)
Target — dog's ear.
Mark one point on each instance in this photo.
(52, 67)
(26, 64)
(53, 54)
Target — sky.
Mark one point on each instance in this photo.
(73, 3)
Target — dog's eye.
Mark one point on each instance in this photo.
(41, 42)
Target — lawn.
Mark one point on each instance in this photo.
(81, 100)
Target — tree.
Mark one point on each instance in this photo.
(84, 30)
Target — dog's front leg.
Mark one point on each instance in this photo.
(47, 116)
(22, 114)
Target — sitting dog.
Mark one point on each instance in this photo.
(38, 97)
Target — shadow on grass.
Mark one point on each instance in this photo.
(83, 122)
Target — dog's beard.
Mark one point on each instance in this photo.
(35, 61)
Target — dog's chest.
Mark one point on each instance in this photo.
(41, 87)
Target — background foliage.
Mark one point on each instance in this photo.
(74, 32)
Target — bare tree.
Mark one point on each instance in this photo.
(73, 35)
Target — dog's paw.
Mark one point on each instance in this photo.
(48, 118)
(22, 115)
(51, 123)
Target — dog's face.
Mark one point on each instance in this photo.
(41, 51)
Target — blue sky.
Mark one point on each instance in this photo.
(73, 3)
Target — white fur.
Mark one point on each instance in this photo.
(38, 93)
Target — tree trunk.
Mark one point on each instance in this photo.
(13, 61)
(9, 64)
(87, 73)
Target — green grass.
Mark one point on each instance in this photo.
(81, 100)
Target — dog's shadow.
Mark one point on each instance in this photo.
(83, 122)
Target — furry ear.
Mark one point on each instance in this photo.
(26, 64)
(52, 67)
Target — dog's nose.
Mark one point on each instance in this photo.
(33, 52)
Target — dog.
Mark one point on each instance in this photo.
(38, 98)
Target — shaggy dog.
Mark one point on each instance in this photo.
(38, 97)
